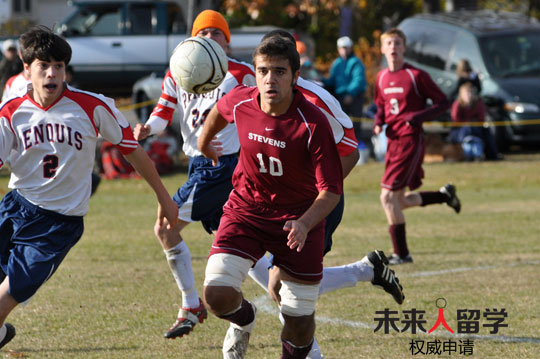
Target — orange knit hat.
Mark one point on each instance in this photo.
(211, 18)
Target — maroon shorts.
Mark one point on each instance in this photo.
(403, 163)
(249, 231)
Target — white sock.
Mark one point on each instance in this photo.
(3, 332)
(259, 273)
(315, 352)
(335, 278)
(179, 259)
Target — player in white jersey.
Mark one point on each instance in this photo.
(50, 136)
(16, 85)
(202, 197)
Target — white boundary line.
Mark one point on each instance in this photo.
(264, 304)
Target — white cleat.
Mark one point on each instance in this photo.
(236, 340)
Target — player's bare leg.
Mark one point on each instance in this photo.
(7, 304)
(229, 304)
(178, 256)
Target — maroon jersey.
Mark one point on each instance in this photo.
(401, 97)
(285, 160)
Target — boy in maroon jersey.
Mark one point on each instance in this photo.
(287, 180)
(401, 92)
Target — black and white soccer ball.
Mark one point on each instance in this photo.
(198, 65)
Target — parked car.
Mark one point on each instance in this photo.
(503, 48)
(116, 42)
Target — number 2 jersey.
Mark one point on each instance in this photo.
(193, 108)
(285, 160)
(401, 97)
(52, 150)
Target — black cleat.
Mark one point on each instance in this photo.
(186, 322)
(10, 334)
(384, 277)
(453, 200)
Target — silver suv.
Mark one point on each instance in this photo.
(503, 48)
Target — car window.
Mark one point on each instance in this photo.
(466, 48)
(436, 45)
(141, 19)
(413, 31)
(175, 21)
(94, 20)
(512, 55)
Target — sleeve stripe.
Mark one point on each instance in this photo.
(166, 97)
(349, 142)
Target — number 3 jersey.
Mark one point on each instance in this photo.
(401, 97)
(52, 150)
(285, 160)
(193, 108)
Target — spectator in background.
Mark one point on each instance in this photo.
(476, 140)
(11, 64)
(347, 78)
(465, 73)
(307, 70)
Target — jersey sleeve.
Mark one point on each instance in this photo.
(7, 138)
(168, 101)
(226, 104)
(325, 158)
(115, 128)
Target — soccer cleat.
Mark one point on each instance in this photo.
(10, 333)
(453, 200)
(395, 259)
(384, 277)
(186, 322)
(236, 340)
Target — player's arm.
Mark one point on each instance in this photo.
(429, 89)
(379, 115)
(145, 167)
(212, 125)
(162, 114)
(349, 161)
(298, 229)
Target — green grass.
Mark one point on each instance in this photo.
(114, 295)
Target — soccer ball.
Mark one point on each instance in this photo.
(198, 65)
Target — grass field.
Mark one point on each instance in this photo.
(114, 295)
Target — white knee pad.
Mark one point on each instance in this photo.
(298, 299)
(227, 270)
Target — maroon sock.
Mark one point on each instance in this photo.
(242, 316)
(432, 198)
(399, 240)
(290, 351)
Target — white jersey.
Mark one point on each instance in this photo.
(51, 150)
(193, 109)
(16, 85)
(341, 124)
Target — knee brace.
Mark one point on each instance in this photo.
(227, 270)
(298, 299)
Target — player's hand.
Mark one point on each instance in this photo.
(377, 129)
(218, 146)
(274, 284)
(297, 234)
(169, 212)
(141, 131)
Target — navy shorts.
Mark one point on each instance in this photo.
(207, 189)
(33, 243)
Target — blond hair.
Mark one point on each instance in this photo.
(394, 32)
